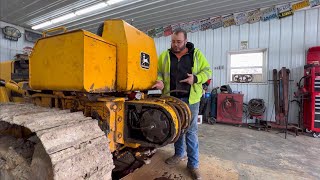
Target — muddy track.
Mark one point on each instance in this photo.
(66, 145)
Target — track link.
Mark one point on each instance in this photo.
(74, 144)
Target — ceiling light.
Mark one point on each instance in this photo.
(110, 2)
(91, 8)
(62, 18)
(39, 26)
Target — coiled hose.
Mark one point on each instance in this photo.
(256, 107)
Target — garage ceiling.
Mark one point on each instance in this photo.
(143, 14)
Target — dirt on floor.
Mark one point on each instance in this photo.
(212, 168)
(228, 152)
(15, 158)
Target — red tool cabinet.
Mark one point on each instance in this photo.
(311, 103)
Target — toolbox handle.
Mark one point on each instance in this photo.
(62, 28)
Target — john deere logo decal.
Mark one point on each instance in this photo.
(145, 60)
(11, 33)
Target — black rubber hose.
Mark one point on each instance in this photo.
(2, 82)
(256, 107)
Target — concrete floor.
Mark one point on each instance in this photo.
(229, 152)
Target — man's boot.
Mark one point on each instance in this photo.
(195, 173)
(175, 160)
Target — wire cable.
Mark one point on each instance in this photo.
(256, 107)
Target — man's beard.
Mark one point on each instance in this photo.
(179, 50)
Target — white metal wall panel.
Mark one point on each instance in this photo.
(8, 48)
(318, 27)
(263, 89)
(217, 57)
(244, 36)
(287, 41)
(311, 27)
(225, 47)
(208, 38)
(297, 56)
(234, 45)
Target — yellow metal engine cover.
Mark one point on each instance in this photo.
(6, 70)
(136, 56)
(73, 61)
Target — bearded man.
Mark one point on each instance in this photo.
(182, 70)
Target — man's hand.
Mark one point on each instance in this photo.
(189, 80)
(159, 85)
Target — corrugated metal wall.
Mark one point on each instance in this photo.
(287, 41)
(8, 48)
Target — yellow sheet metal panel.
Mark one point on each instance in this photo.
(4, 97)
(6, 70)
(100, 65)
(5, 73)
(136, 56)
(73, 61)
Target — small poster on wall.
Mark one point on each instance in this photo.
(268, 14)
(244, 45)
(284, 11)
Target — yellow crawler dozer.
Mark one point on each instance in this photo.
(84, 112)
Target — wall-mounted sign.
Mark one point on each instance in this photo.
(152, 32)
(11, 33)
(268, 14)
(31, 36)
(186, 26)
(195, 26)
(167, 31)
(175, 27)
(314, 3)
(244, 45)
(284, 11)
(205, 24)
(242, 78)
(241, 18)
(159, 32)
(216, 23)
(228, 21)
(254, 16)
(300, 5)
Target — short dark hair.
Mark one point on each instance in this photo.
(179, 30)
